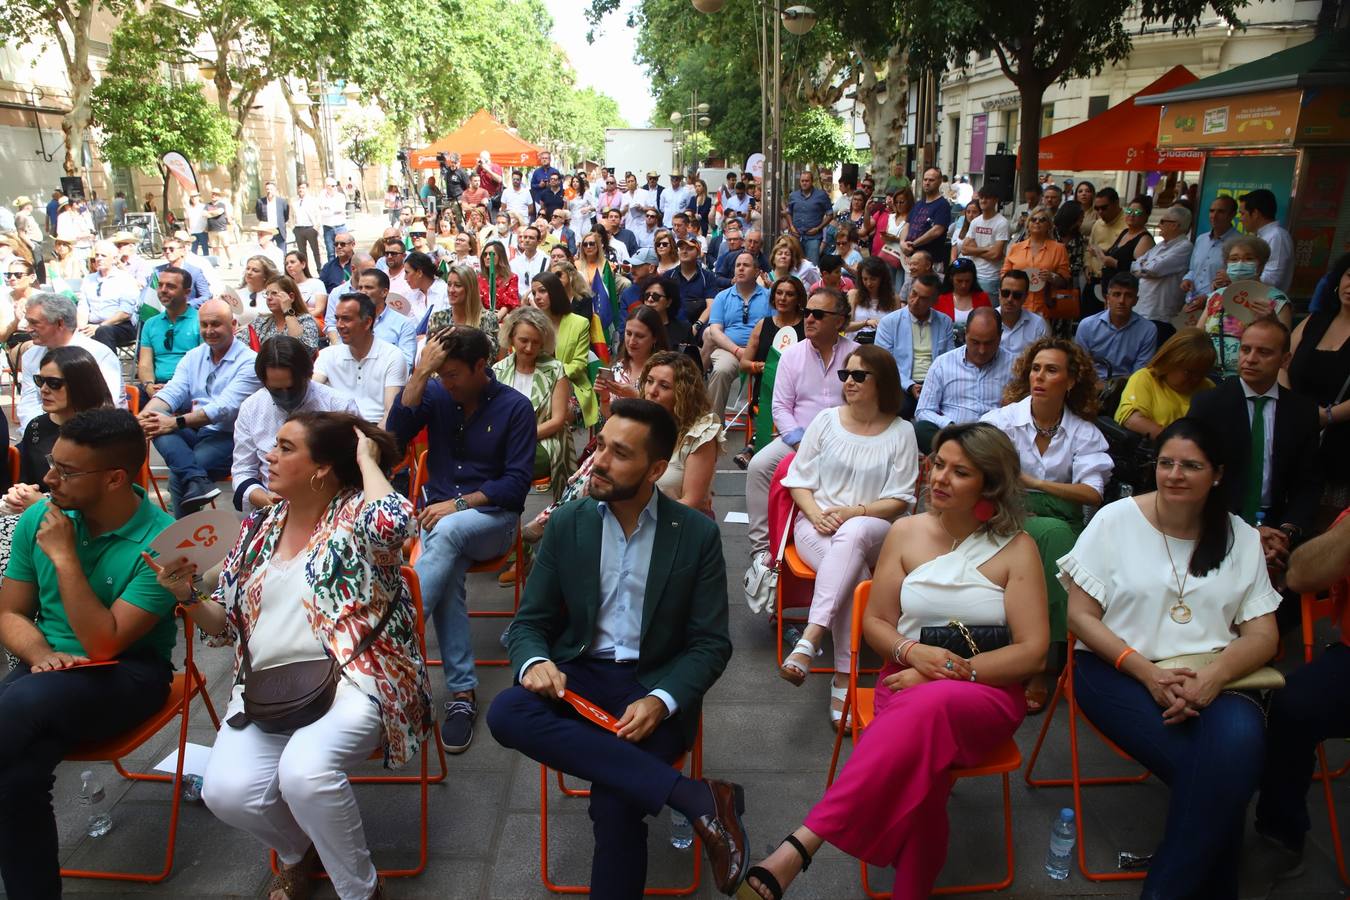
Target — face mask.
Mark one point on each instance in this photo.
(288, 400)
(1240, 271)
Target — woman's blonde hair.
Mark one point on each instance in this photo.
(1188, 348)
(269, 269)
(1081, 399)
(532, 316)
(691, 396)
(990, 451)
(576, 285)
(473, 300)
(794, 248)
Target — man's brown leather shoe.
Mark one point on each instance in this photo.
(723, 835)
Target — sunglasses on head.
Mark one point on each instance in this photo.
(1008, 294)
(819, 314)
(49, 381)
(858, 375)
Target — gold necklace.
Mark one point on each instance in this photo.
(956, 541)
(1180, 612)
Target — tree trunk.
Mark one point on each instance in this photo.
(76, 123)
(883, 92)
(1029, 148)
(311, 130)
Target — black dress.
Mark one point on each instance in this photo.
(1322, 375)
(1123, 254)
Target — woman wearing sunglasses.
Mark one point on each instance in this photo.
(1130, 244)
(1043, 258)
(667, 257)
(660, 293)
(854, 473)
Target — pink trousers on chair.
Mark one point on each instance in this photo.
(889, 804)
(842, 561)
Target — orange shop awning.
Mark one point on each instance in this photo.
(1123, 138)
(483, 132)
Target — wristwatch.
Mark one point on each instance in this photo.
(460, 505)
(180, 422)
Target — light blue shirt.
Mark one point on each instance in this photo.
(1117, 351)
(737, 316)
(1029, 329)
(217, 389)
(895, 334)
(103, 296)
(956, 391)
(624, 564)
(1206, 262)
(392, 327)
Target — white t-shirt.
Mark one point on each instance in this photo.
(986, 233)
(365, 380)
(525, 269)
(518, 201)
(1137, 590)
(196, 218)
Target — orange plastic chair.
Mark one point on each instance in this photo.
(186, 685)
(695, 760)
(1064, 688)
(1315, 608)
(424, 778)
(414, 552)
(1003, 761)
(145, 478)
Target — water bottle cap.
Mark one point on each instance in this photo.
(87, 775)
(1066, 814)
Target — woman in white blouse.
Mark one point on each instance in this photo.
(1156, 576)
(853, 474)
(1049, 407)
(311, 288)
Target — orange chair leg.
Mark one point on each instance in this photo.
(1332, 819)
(1066, 782)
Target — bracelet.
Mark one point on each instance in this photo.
(193, 598)
(1123, 654)
(863, 507)
(904, 653)
(895, 650)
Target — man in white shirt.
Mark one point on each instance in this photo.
(286, 371)
(529, 262)
(675, 198)
(1207, 257)
(1259, 218)
(306, 228)
(362, 367)
(633, 200)
(196, 223)
(987, 242)
(649, 197)
(332, 213)
(109, 300)
(516, 198)
(394, 255)
(51, 321)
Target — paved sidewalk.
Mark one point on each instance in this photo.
(760, 731)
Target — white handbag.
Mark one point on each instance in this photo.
(761, 581)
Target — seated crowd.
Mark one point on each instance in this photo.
(937, 427)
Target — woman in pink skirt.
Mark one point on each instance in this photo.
(965, 559)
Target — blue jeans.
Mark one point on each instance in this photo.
(1313, 707)
(990, 286)
(200, 243)
(1211, 763)
(810, 247)
(455, 543)
(46, 716)
(329, 236)
(192, 454)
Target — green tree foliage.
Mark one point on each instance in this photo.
(140, 120)
(816, 137)
(368, 139)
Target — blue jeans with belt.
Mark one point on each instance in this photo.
(449, 549)
(1211, 763)
(45, 716)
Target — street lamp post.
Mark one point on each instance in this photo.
(694, 119)
(799, 20)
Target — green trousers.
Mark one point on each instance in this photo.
(1054, 525)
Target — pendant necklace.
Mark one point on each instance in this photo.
(1050, 432)
(1180, 612)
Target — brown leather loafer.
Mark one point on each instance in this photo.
(723, 835)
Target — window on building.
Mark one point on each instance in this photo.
(1098, 105)
(954, 130)
(1011, 128)
(1047, 119)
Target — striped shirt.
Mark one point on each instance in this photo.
(956, 391)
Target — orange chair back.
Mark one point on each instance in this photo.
(419, 480)
(133, 395)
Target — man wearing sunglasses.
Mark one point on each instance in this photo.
(394, 256)
(167, 337)
(1021, 327)
(733, 315)
(805, 384)
(1110, 223)
(339, 266)
(916, 335)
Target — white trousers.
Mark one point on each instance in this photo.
(291, 790)
(842, 561)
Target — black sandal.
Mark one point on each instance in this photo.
(766, 878)
(742, 459)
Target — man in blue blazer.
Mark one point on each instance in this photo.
(275, 211)
(626, 606)
(916, 334)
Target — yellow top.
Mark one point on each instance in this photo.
(1150, 396)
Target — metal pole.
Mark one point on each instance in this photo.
(773, 199)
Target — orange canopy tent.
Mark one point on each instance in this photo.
(1123, 138)
(483, 132)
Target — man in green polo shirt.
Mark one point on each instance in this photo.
(165, 338)
(76, 567)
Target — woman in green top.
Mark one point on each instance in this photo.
(531, 369)
(548, 294)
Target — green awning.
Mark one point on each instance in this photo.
(1323, 61)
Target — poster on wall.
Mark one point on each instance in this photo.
(1233, 176)
(979, 135)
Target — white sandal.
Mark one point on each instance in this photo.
(837, 715)
(793, 671)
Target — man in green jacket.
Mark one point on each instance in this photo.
(626, 607)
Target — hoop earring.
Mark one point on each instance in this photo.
(319, 489)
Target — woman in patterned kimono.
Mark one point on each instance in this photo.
(313, 577)
(531, 369)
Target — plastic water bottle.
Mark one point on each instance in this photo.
(681, 831)
(91, 795)
(1063, 834)
(192, 788)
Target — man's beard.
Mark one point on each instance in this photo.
(611, 491)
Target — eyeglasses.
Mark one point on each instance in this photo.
(1189, 466)
(344, 243)
(50, 381)
(1039, 219)
(1133, 211)
(13, 276)
(653, 297)
(858, 375)
(1011, 295)
(663, 243)
(819, 314)
(64, 475)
